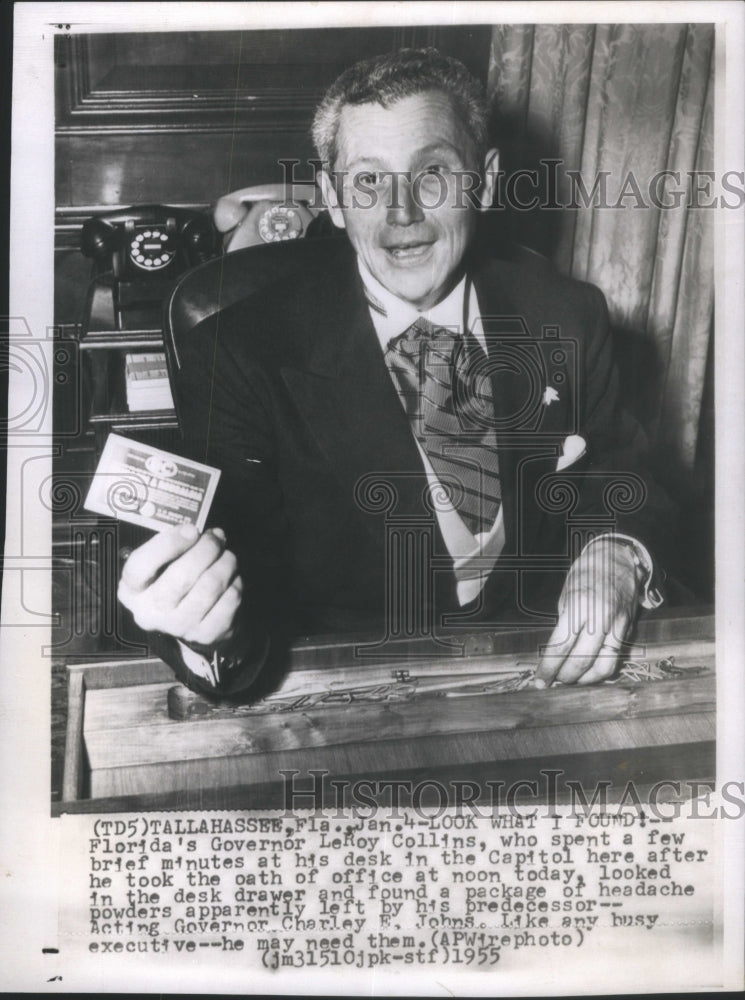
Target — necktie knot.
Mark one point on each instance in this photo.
(424, 345)
(424, 329)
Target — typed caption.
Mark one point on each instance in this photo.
(461, 890)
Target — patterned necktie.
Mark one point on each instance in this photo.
(444, 383)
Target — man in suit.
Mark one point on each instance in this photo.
(413, 437)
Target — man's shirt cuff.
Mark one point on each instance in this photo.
(223, 670)
(651, 597)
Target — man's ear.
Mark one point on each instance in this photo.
(491, 170)
(331, 200)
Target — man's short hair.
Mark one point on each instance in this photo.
(395, 75)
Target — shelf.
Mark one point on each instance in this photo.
(144, 419)
(113, 340)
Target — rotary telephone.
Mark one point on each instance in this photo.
(268, 213)
(148, 241)
(137, 254)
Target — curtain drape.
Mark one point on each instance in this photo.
(620, 104)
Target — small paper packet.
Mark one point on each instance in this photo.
(147, 486)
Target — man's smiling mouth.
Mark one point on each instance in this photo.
(409, 251)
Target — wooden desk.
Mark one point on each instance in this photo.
(124, 750)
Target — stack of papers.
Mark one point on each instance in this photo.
(147, 383)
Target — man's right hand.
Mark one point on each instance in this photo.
(184, 584)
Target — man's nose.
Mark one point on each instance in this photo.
(404, 208)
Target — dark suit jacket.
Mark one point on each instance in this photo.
(323, 487)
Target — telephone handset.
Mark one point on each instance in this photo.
(267, 213)
(148, 240)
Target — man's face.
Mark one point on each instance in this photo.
(400, 193)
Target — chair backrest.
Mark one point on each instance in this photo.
(220, 283)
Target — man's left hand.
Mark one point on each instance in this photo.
(596, 610)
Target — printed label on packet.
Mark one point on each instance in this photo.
(153, 488)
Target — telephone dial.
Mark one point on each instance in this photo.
(268, 213)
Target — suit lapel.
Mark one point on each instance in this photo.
(518, 383)
(348, 401)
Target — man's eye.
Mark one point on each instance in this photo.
(369, 178)
(435, 168)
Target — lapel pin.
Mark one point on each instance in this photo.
(550, 396)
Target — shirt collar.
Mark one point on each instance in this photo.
(391, 315)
